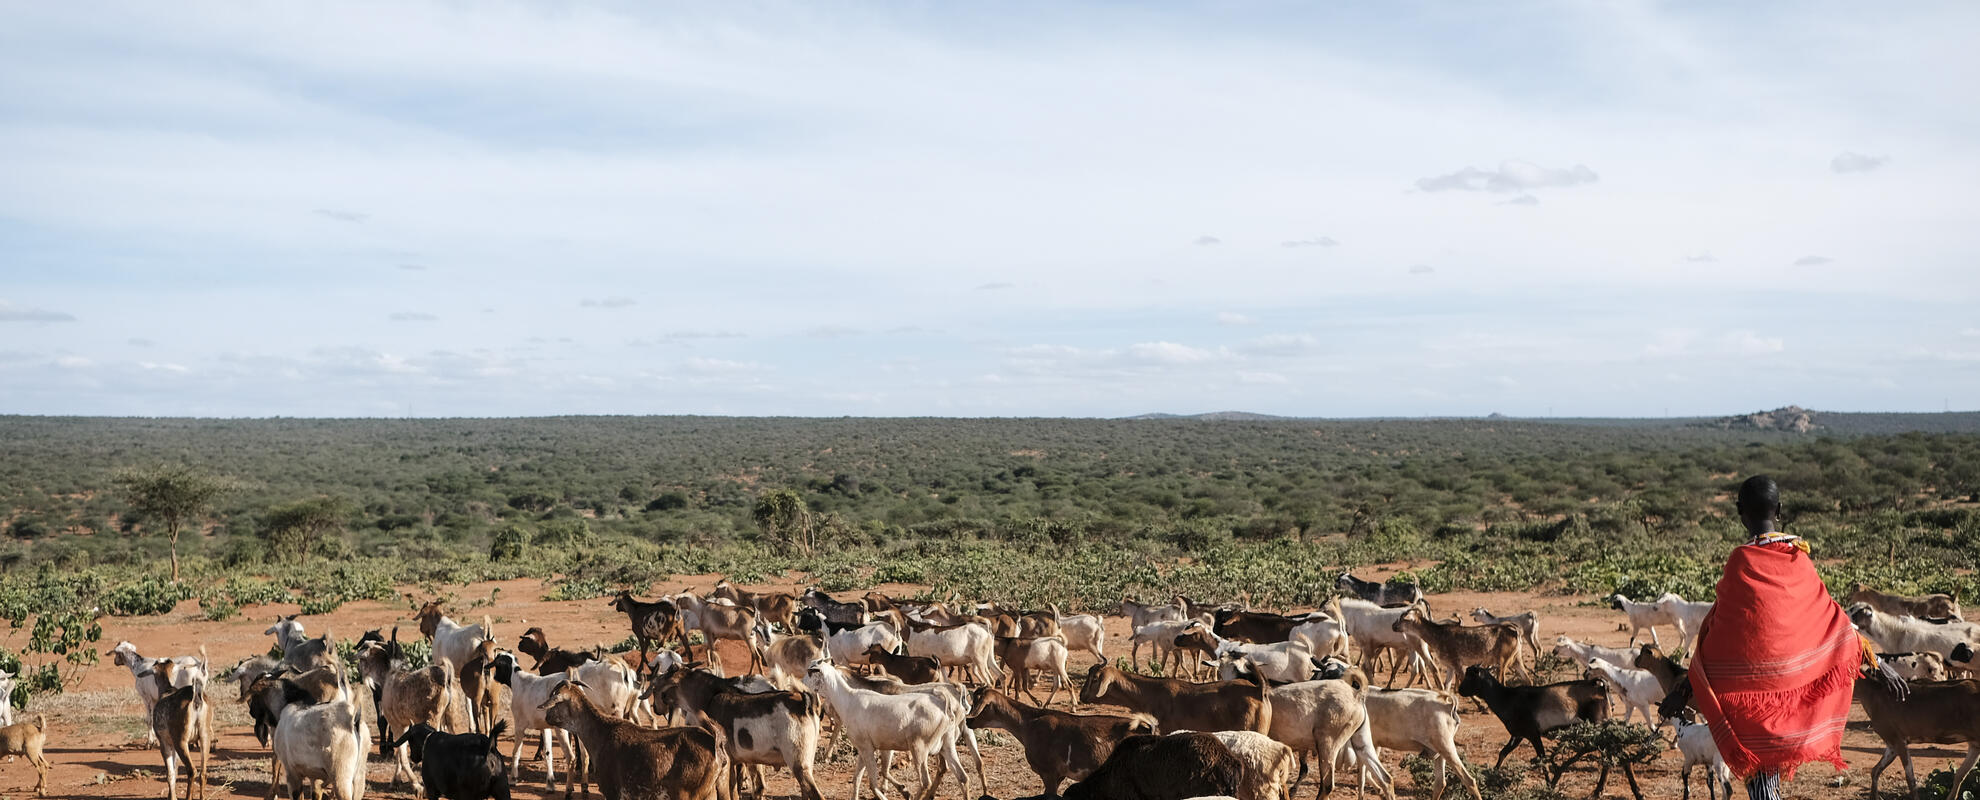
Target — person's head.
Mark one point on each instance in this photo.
(1760, 504)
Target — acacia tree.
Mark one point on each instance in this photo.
(304, 523)
(785, 519)
(174, 495)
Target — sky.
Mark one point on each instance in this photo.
(988, 209)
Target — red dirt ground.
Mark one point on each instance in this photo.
(96, 737)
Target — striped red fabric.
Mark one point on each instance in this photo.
(1776, 664)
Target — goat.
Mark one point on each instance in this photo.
(1268, 765)
(841, 613)
(1938, 606)
(1163, 768)
(1020, 655)
(1639, 689)
(1642, 616)
(1694, 741)
(1579, 653)
(478, 687)
(7, 682)
(1373, 629)
(1917, 666)
(550, 660)
(183, 722)
(1945, 712)
(771, 728)
(1140, 614)
(321, 742)
(1688, 615)
(1528, 624)
(407, 697)
(612, 686)
(269, 692)
(459, 766)
(918, 724)
(453, 643)
(1666, 670)
(721, 621)
(1162, 634)
(190, 670)
(299, 652)
(1387, 594)
(1322, 636)
(849, 644)
(1258, 627)
(1239, 705)
(906, 669)
(1912, 634)
(1007, 623)
(1283, 662)
(1455, 646)
(1082, 632)
(951, 694)
(880, 607)
(968, 647)
(1058, 746)
(651, 622)
(528, 694)
(245, 674)
(789, 657)
(779, 607)
(1419, 720)
(637, 763)
(29, 740)
(1528, 712)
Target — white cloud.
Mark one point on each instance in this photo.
(719, 366)
(163, 367)
(1856, 162)
(74, 362)
(1813, 261)
(1970, 333)
(1281, 344)
(832, 331)
(1262, 378)
(13, 313)
(1421, 269)
(1206, 241)
(342, 216)
(1170, 353)
(1700, 258)
(614, 301)
(1318, 241)
(995, 286)
(1749, 343)
(411, 316)
(1511, 176)
(1232, 318)
(1521, 200)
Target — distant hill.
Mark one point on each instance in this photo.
(1217, 416)
(1789, 419)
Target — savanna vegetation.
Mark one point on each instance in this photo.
(1073, 511)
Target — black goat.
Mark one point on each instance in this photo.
(459, 766)
(1387, 595)
(1528, 712)
(1171, 767)
(845, 614)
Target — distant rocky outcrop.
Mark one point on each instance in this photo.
(1792, 419)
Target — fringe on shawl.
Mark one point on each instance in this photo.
(1761, 706)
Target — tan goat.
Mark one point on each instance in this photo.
(28, 739)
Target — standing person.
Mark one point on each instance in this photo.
(1777, 656)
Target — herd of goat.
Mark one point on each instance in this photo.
(1236, 702)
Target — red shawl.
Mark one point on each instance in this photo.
(1775, 664)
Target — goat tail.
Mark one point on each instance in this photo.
(495, 736)
(1055, 612)
(1357, 680)
(1143, 724)
(41, 722)
(487, 628)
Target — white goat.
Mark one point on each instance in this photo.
(1419, 720)
(1325, 718)
(1373, 629)
(915, 723)
(1910, 634)
(969, 647)
(528, 692)
(1162, 634)
(721, 618)
(1643, 616)
(189, 671)
(1579, 653)
(1325, 636)
(1694, 740)
(849, 646)
(1270, 768)
(1638, 688)
(1082, 632)
(6, 698)
(611, 685)
(323, 742)
(1283, 662)
(1688, 615)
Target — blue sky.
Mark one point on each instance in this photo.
(1062, 209)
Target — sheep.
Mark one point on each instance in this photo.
(1321, 635)
(1917, 666)
(1388, 594)
(321, 742)
(1639, 689)
(1936, 606)
(407, 696)
(1528, 624)
(1934, 713)
(1911, 634)
(1268, 765)
(842, 613)
(773, 728)
(459, 766)
(1579, 653)
(528, 694)
(969, 647)
(721, 621)
(1455, 646)
(301, 653)
(1419, 720)
(183, 722)
(1083, 632)
(1239, 705)
(29, 739)
(1694, 741)
(906, 669)
(1689, 616)
(1021, 655)
(550, 660)
(780, 607)
(1373, 630)
(1057, 746)
(1162, 634)
(1528, 712)
(651, 622)
(1642, 616)
(636, 763)
(453, 643)
(190, 670)
(919, 724)
(1163, 768)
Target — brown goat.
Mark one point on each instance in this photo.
(1058, 746)
(1937, 712)
(1934, 606)
(183, 721)
(1238, 705)
(549, 660)
(639, 763)
(478, 687)
(651, 623)
(909, 669)
(407, 697)
(1257, 627)
(28, 739)
(1454, 646)
(778, 607)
